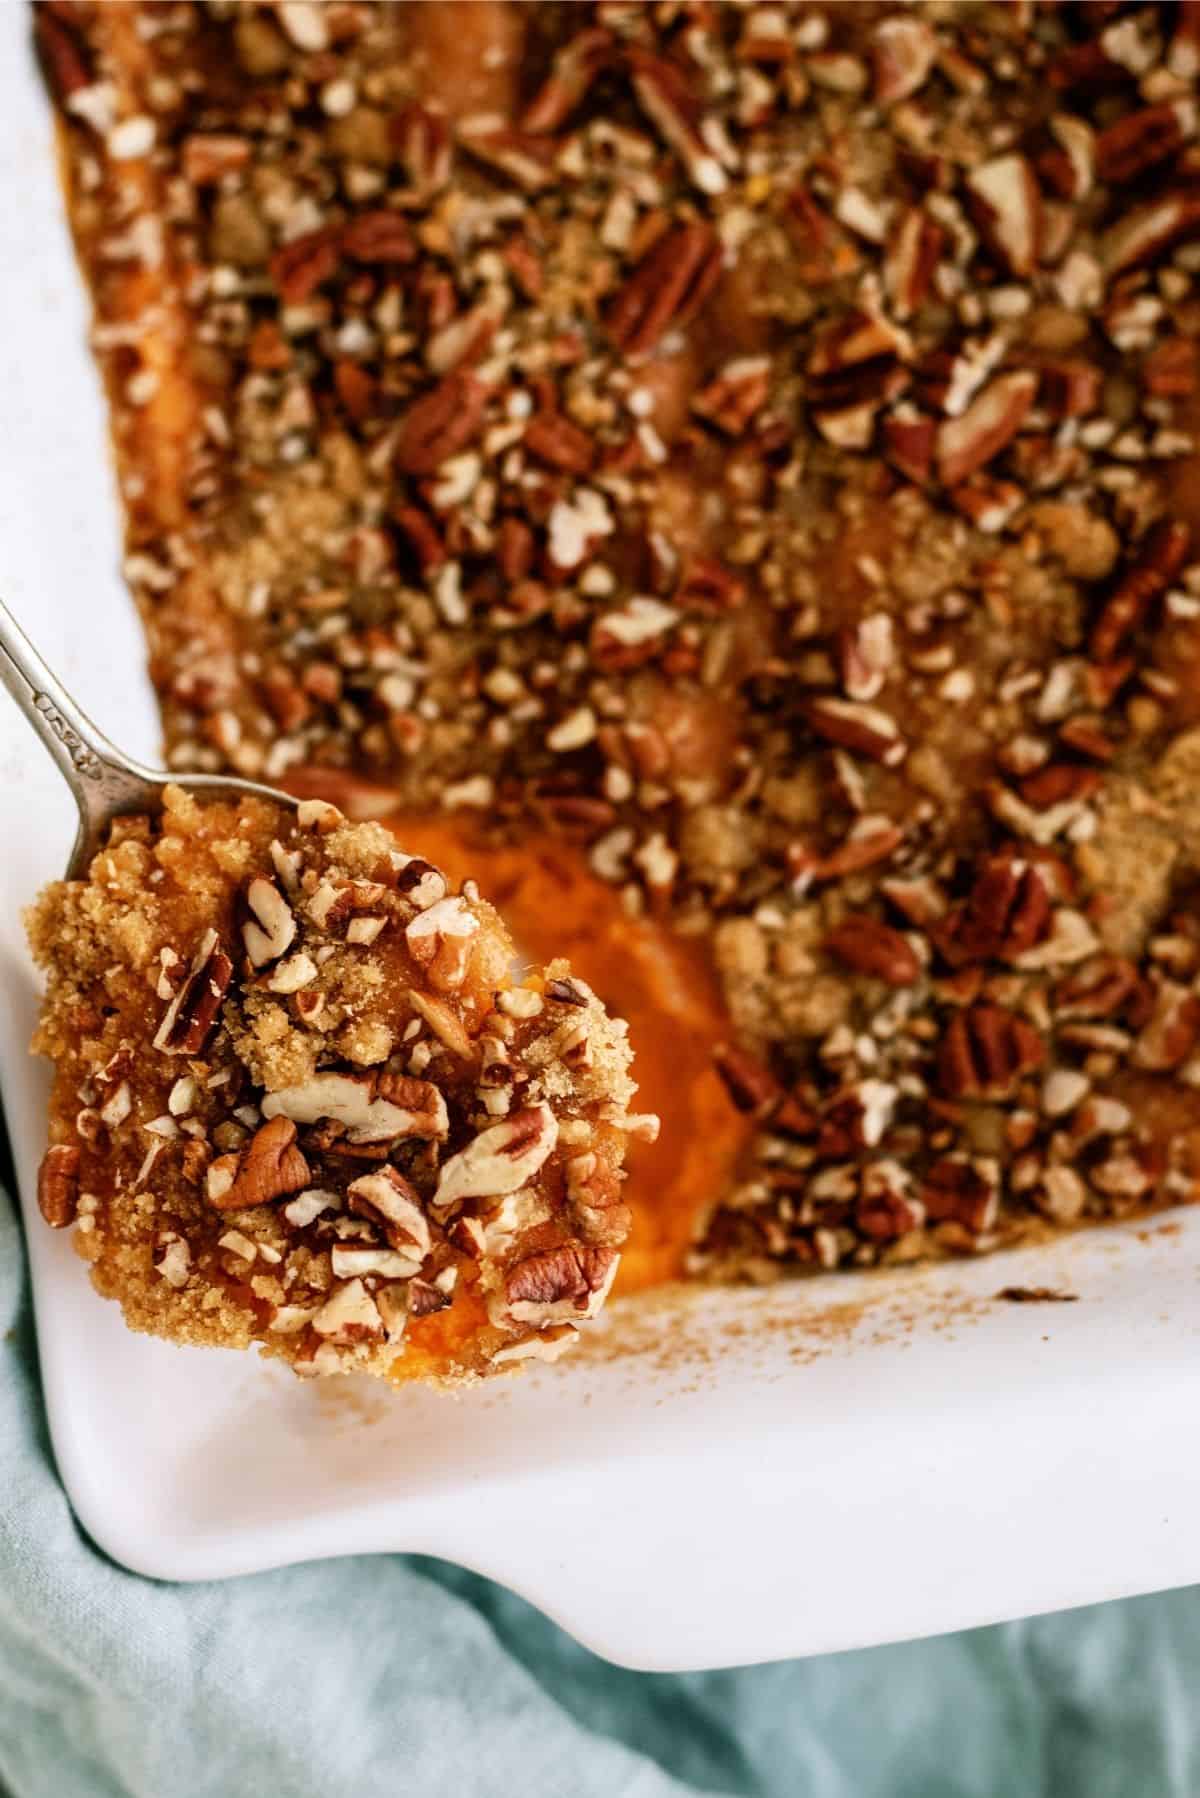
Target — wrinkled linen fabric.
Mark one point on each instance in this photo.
(398, 1675)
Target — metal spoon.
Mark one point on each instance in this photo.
(107, 784)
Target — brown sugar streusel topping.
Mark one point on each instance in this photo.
(754, 440)
(299, 1100)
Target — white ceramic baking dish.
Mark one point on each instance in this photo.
(722, 1478)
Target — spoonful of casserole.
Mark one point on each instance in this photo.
(300, 1098)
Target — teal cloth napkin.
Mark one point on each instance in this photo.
(392, 1674)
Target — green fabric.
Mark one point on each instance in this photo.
(394, 1675)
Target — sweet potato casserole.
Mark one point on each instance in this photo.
(723, 475)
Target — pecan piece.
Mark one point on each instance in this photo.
(554, 439)
(209, 155)
(667, 289)
(371, 1107)
(350, 1315)
(441, 423)
(379, 236)
(1162, 556)
(298, 268)
(58, 1185)
(862, 728)
(271, 929)
(904, 51)
(440, 940)
(575, 67)
(422, 142)
(192, 1013)
(268, 1167)
(1007, 913)
(957, 1190)
(869, 946)
(499, 1160)
(1171, 1032)
(523, 157)
(1129, 146)
(884, 1209)
(388, 1199)
(752, 1087)
(967, 443)
(735, 394)
(1007, 204)
(560, 1283)
(665, 95)
(1143, 234)
(910, 260)
(985, 1051)
(594, 1194)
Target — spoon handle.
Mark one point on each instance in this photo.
(103, 781)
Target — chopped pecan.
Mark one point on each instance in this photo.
(735, 394)
(1159, 559)
(667, 289)
(268, 1167)
(570, 1280)
(1169, 371)
(445, 1023)
(884, 1209)
(422, 141)
(350, 1315)
(498, 1160)
(192, 1013)
(665, 95)
(271, 929)
(594, 1195)
(1102, 988)
(441, 423)
(1130, 145)
(575, 67)
(862, 728)
(752, 1087)
(298, 268)
(904, 51)
(1069, 387)
(958, 1190)
(520, 155)
(440, 940)
(967, 443)
(388, 1199)
(1008, 912)
(866, 654)
(208, 156)
(984, 1052)
(913, 249)
(1007, 204)
(423, 535)
(379, 236)
(1144, 233)
(871, 947)
(1172, 1030)
(58, 1185)
(909, 445)
(707, 585)
(554, 439)
(372, 1107)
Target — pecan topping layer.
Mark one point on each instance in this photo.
(751, 444)
(316, 1150)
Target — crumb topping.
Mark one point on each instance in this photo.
(756, 441)
(309, 1107)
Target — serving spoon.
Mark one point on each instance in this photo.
(106, 782)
